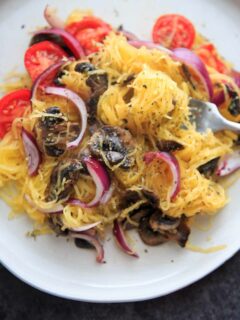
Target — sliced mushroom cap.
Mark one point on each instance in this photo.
(154, 232)
(53, 132)
(83, 244)
(84, 67)
(115, 144)
(169, 145)
(62, 179)
(159, 222)
(138, 215)
(207, 169)
(98, 84)
(149, 236)
(151, 197)
(183, 232)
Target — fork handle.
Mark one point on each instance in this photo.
(230, 125)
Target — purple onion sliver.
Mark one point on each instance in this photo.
(58, 209)
(86, 227)
(173, 164)
(44, 75)
(101, 179)
(129, 35)
(237, 80)
(71, 42)
(148, 44)
(228, 164)
(79, 103)
(219, 98)
(52, 18)
(32, 152)
(107, 195)
(93, 241)
(189, 58)
(121, 240)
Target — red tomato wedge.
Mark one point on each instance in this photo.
(13, 105)
(89, 31)
(208, 54)
(42, 55)
(173, 31)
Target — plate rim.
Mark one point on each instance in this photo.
(195, 276)
(28, 273)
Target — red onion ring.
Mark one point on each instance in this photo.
(44, 75)
(219, 98)
(173, 164)
(148, 44)
(52, 18)
(68, 39)
(237, 80)
(236, 76)
(56, 210)
(101, 180)
(93, 241)
(129, 35)
(107, 195)
(195, 63)
(79, 103)
(121, 240)
(86, 227)
(31, 151)
(228, 164)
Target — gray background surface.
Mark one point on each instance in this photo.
(217, 296)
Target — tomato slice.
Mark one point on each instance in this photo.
(42, 55)
(208, 54)
(173, 31)
(89, 31)
(13, 105)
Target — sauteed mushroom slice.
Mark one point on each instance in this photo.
(62, 179)
(148, 236)
(53, 132)
(159, 222)
(113, 144)
(169, 145)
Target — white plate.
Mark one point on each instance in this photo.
(56, 266)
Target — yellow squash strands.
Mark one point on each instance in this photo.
(153, 106)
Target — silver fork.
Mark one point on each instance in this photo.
(206, 116)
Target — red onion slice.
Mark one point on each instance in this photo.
(121, 240)
(237, 81)
(148, 44)
(107, 195)
(79, 103)
(228, 164)
(68, 39)
(56, 210)
(52, 18)
(43, 76)
(195, 63)
(236, 76)
(31, 151)
(173, 164)
(129, 35)
(218, 98)
(101, 180)
(93, 241)
(86, 227)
